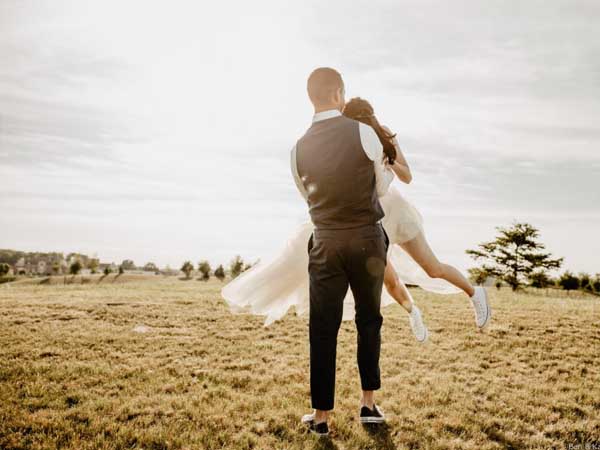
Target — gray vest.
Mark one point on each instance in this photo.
(338, 175)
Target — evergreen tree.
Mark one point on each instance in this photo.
(4, 269)
(75, 268)
(187, 268)
(515, 254)
(569, 282)
(236, 266)
(220, 273)
(204, 268)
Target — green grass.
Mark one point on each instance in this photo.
(74, 374)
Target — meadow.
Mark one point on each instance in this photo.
(160, 363)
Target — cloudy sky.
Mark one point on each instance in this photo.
(160, 131)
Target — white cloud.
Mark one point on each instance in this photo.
(161, 131)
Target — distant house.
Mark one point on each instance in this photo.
(40, 266)
(20, 267)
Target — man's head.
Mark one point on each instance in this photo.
(326, 89)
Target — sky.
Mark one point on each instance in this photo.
(161, 131)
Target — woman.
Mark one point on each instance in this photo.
(273, 286)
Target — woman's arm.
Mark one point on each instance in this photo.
(400, 166)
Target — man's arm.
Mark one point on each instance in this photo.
(297, 180)
(374, 151)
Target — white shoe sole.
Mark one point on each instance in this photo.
(488, 315)
(372, 419)
(422, 341)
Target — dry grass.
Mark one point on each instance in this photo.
(74, 374)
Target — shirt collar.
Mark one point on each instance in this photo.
(329, 114)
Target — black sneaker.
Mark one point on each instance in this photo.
(374, 415)
(319, 429)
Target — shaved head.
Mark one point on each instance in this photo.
(323, 85)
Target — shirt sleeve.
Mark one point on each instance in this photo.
(297, 180)
(374, 151)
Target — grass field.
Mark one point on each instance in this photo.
(75, 375)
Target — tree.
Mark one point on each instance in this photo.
(56, 267)
(93, 265)
(569, 282)
(204, 268)
(128, 264)
(220, 272)
(187, 268)
(515, 254)
(478, 276)
(75, 267)
(150, 267)
(585, 282)
(596, 283)
(539, 279)
(107, 270)
(236, 266)
(4, 269)
(121, 270)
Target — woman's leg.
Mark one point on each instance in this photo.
(396, 288)
(418, 248)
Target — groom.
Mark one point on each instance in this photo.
(338, 168)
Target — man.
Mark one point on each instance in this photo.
(338, 168)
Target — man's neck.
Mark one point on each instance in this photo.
(327, 114)
(326, 108)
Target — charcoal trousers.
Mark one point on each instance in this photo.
(339, 259)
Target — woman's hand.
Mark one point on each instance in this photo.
(402, 171)
(400, 166)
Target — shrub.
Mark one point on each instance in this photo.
(569, 282)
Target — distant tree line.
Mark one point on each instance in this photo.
(236, 266)
(24, 263)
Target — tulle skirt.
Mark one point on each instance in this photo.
(275, 285)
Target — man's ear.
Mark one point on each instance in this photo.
(339, 96)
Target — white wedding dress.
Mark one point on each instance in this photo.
(273, 286)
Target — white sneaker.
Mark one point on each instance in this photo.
(416, 323)
(481, 306)
(319, 429)
(307, 418)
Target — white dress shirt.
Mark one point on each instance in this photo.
(372, 147)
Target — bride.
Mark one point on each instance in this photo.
(273, 286)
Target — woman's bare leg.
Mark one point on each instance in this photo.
(396, 288)
(419, 249)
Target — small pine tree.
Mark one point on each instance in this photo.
(569, 282)
(236, 267)
(596, 284)
(539, 279)
(107, 271)
(121, 270)
(204, 268)
(220, 273)
(585, 282)
(4, 269)
(75, 268)
(93, 265)
(187, 268)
